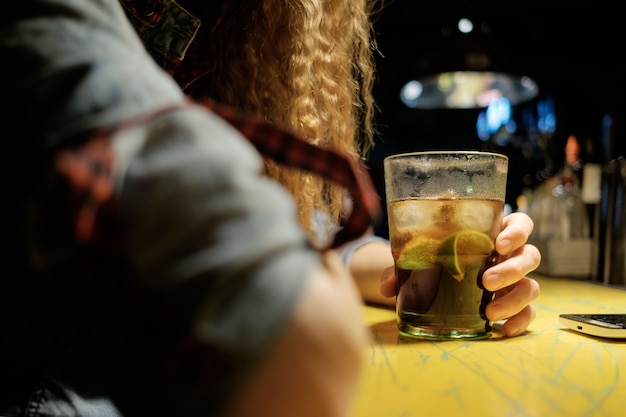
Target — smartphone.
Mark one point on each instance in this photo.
(601, 325)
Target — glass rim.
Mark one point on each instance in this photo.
(496, 155)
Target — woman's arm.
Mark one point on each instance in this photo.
(368, 263)
(315, 366)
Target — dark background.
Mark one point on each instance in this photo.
(573, 50)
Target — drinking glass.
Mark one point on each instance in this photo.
(445, 210)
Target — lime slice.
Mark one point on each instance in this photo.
(418, 253)
(463, 250)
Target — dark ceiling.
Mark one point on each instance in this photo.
(555, 41)
(571, 48)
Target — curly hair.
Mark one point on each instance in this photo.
(307, 65)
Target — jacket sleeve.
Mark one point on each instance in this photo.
(74, 65)
(215, 247)
(215, 258)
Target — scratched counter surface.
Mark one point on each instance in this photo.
(547, 372)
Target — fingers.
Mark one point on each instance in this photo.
(518, 324)
(513, 303)
(516, 259)
(516, 228)
(518, 264)
(388, 283)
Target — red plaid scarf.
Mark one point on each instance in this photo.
(89, 169)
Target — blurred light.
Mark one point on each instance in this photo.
(467, 89)
(465, 25)
(494, 118)
(410, 93)
(546, 119)
(498, 114)
(481, 127)
(469, 70)
(511, 126)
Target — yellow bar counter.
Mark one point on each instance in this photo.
(547, 372)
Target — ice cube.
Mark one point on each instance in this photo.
(475, 215)
(407, 215)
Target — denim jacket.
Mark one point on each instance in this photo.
(48, 375)
(78, 66)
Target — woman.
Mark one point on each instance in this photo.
(153, 269)
(308, 66)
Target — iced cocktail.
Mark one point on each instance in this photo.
(445, 210)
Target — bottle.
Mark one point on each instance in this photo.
(575, 216)
(561, 220)
(611, 265)
(559, 211)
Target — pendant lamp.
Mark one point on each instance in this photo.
(469, 70)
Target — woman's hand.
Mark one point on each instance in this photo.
(507, 279)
